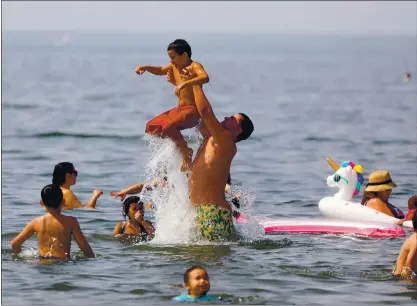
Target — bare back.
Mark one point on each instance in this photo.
(210, 171)
(54, 235)
(407, 247)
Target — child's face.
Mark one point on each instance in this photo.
(179, 61)
(198, 282)
(135, 211)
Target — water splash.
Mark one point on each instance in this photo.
(173, 211)
(174, 214)
(252, 230)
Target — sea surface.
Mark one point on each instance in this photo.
(75, 97)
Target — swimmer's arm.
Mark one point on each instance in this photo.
(411, 258)
(134, 189)
(201, 78)
(117, 230)
(158, 70)
(148, 226)
(93, 200)
(412, 255)
(204, 130)
(26, 233)
(206, 112)
(80, 239)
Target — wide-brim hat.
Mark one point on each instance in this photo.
(380, 181)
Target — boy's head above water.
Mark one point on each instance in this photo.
(52, 196)
(197, 282)
(412, 202)
(179, 51)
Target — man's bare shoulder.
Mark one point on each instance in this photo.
(196, 64)
(225, 141)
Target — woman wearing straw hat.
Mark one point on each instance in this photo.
(377, 193)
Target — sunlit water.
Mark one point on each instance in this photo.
(310, 98)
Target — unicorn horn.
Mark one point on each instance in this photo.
(333, 164)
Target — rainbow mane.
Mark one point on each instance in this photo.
(359, 172)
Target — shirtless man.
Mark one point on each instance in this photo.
(211, 167)
(54, 230)
(406, 265)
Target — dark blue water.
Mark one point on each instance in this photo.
(78, 99)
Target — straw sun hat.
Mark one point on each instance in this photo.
(380, 181)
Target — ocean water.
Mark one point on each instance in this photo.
(75, 97)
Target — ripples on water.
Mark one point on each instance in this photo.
(310, 98)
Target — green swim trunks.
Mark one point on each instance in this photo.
(214, 222)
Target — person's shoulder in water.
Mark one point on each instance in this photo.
(54, 229)
(196, 281)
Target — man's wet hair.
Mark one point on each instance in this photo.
(247, 128)
(51, 196)
(58, 177)
(180, 46)
(189, 270)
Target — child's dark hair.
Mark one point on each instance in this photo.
(412, 202)
(415, 221)
(51, 196)
(128, 202)
(247, 128)
(180, 46)
(189, 270)
(58, 177)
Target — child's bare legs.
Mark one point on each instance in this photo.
(169, 125)
(187, 153)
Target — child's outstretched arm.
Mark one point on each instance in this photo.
(156, 70)
(26, 233)
(80, 239)
(200, 79)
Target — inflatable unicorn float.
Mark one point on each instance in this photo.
(342, 215)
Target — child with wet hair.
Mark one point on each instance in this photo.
(54, 230)
(197, 282)
(412, 205)
(135, 225)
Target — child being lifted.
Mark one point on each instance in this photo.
(185, 115)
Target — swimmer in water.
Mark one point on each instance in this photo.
(136, 225)
(65, 176)
(406, 265)
(54, 230)
(407, 77)
(197, 282)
